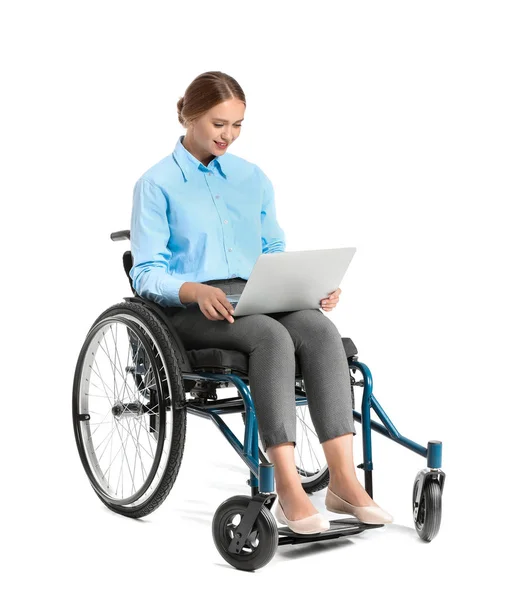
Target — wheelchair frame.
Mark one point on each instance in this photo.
(261, 479)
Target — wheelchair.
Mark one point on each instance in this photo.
(134, 384)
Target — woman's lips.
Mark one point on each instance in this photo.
(221, 146)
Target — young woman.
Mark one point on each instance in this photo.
(201, 216)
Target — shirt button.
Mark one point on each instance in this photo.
(229, 249)
(217, 196)
(225, 221)
(209, 174)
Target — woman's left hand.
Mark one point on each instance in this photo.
(330, 301)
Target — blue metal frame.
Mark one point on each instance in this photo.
(432, 452)
(262, 477)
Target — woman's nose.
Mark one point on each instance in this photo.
(227, 135)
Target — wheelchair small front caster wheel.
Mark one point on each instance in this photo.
(262, 542)
(427, 513)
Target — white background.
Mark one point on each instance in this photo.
(390, 126)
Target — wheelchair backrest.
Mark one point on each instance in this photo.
(128, 261)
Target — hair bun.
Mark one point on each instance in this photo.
(180, 104)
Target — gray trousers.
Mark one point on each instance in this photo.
(271, 341)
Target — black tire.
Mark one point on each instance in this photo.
(263, 540)
(173, 384)
(428, 519)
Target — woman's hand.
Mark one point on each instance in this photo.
(329, 302)
(213, 303)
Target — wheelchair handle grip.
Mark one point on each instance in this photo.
(117, 236)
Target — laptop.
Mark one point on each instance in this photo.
(287, 281)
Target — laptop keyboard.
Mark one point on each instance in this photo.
(233, 299)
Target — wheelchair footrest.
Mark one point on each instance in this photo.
(338, 528)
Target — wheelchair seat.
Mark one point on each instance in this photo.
(236, 362)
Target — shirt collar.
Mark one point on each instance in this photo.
(188, 163)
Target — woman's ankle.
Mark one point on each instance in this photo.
(289, 488)
(343, 478)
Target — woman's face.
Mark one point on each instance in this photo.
(222, 123)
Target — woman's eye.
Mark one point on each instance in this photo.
(220, 125)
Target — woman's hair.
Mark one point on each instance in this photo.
(206, 91)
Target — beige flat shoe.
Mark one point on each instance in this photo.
(312, 524)
(372, 515)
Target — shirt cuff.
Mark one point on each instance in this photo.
(170, 287)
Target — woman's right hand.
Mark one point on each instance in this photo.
(213, 303)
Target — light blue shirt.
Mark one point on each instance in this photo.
(195, 223)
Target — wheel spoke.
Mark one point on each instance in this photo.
(311, 463)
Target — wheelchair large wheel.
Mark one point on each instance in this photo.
(262, 542)
(309, 456)
(129, 429)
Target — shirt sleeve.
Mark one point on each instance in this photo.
(273, 236)
(149, 236)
